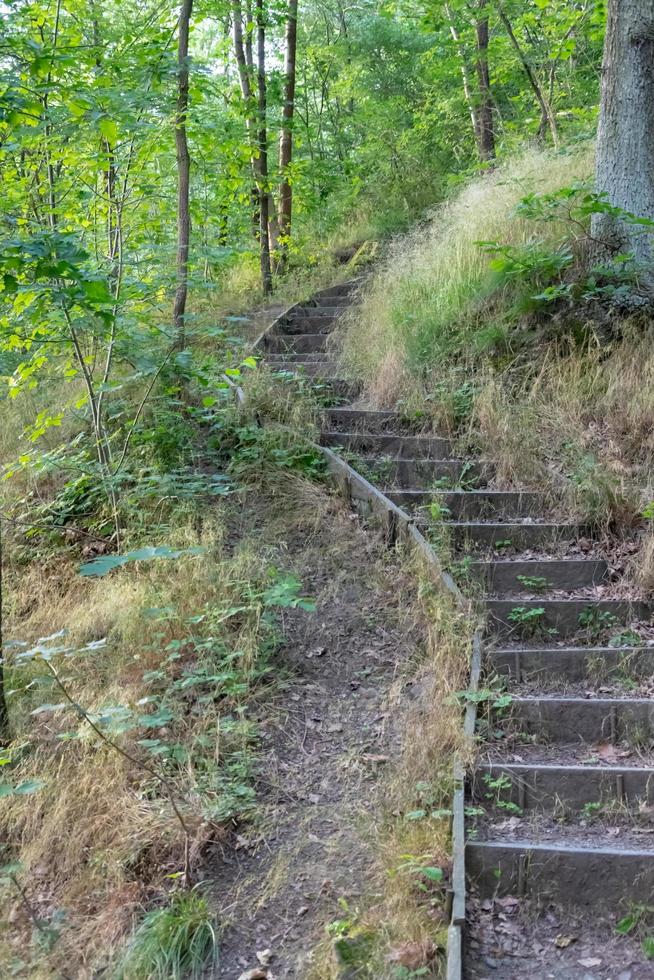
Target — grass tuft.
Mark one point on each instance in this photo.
(177, 942)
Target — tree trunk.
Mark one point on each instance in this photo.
(486, 131)
(262, 141)
(286, 133)
(466, 74)
(624, 168)
(547, 115)
(255, 122)
(183, 175)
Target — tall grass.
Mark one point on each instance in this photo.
(177, 942)
(433, 296)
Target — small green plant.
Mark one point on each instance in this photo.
(592, 810)
(534, 583)
(177, 942)
(527, 621)
(594, 622)
(497, 786)
(503, 544)
(626, 638)
(638, 922)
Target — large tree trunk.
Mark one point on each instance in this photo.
(625, 140)
(183, 175)
(286, 134)
(486, 130)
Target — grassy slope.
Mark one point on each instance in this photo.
(438, 335)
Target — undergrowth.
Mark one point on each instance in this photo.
(482, 325)
(403, 932)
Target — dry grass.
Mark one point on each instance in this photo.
(406, 924)
(580, 426)
(435, 285)
(98, 840)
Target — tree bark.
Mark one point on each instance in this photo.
(486, 129)
(547, 115)
(262, 142)
(183, 175)
(286, 133)
(466, 74)
(624, 167)
(255, 123)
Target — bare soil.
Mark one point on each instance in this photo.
(512, 942)
(328, 733)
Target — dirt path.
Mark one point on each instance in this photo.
(327, 738)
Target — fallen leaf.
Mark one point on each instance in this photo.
(590, 961)
(607, 752)
(564, 941)
(264, 957)
(413, 956)
(258, 973)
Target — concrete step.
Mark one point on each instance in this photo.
(296, 325)
(567, 719)
(362, 420)
(510, 576)
(521, 535)
(341, 292)
(511, 617)
(393, 472)
(603, 876)
(302, 343)
(572, 663)
(317, 311)
(319, 357)
(470, 504)
(536, 787)
(310, 368)
(416, 447)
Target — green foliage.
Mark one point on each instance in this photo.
(534, 583)
(595, 623)
(527, 621)
(177, 942)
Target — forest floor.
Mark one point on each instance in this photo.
(327, 736)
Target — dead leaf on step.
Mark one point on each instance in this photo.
(606, 752)
(265, 956)
(258, 973)
(562, 942)
(590, 961)
(413, 955)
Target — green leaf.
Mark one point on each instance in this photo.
(627, 924)
(107, 563)
(647, 947)
(22, 789)
(108, 128)
(97, 291)
(433, 874)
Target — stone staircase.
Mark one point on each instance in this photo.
(561, 799)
